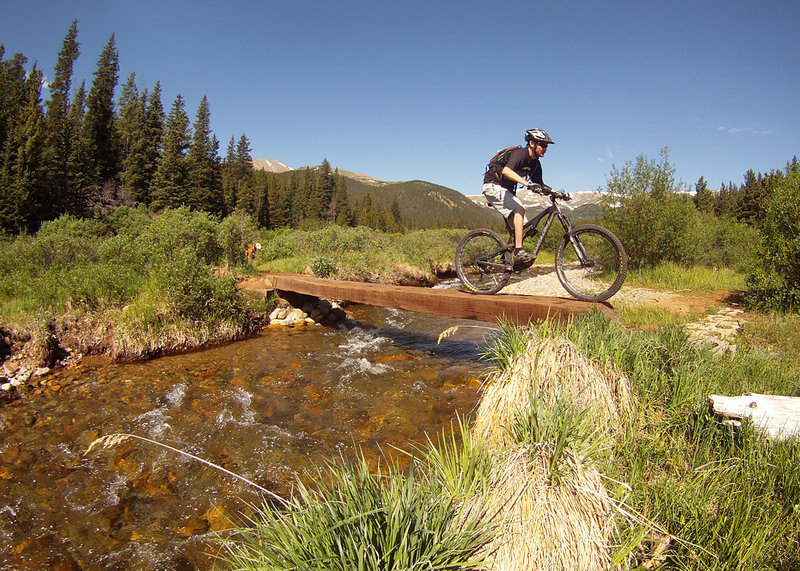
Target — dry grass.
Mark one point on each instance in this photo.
(553, 369)
(545, 524)
(549, 527)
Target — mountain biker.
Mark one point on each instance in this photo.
(501, 180)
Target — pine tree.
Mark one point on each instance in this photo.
(64, 120)
(98, 126)
(170, 186)
(261, 183)
(280, 203)
(246, 196)
(302, 195)
(12, 93)
(341, 204)
(150, 144)
(24, 202)
(321, 194)
(395, 219)
(204, 173)
(229, 177)
(130, 117)
(704, 198)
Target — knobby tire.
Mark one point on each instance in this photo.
(481, 261)
(603, 277)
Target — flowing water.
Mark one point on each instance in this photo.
(270, 408)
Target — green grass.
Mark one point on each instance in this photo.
(673, 277)
(159, 268)
(730, 496)
(360, 253)
(358, 518)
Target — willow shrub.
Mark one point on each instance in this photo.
(775, 281)
(97, 264)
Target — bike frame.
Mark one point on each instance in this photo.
(531, 227)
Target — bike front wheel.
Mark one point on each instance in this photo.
(591, 263)
(481, 261)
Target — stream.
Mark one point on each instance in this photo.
(271, 409)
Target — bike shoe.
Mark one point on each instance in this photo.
(522, 258)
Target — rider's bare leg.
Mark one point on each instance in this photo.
(519, 221)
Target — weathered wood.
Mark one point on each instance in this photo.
(778, 416)
(518, 309)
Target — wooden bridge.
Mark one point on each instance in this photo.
(517, 309)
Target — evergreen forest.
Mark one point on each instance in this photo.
(85, 151)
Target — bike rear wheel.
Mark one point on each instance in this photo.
(481, 261)
(592, 264)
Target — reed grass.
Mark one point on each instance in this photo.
(355, 518)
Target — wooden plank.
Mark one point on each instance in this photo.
(518, 309)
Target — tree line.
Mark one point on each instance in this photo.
(84, 152)
(745, 202)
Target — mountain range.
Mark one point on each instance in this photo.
(426, 205)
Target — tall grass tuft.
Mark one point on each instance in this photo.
(560, 433)
(725, 498)
(546, 418)
(461, 462)
(356, 519)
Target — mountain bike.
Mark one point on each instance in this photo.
(590, 261)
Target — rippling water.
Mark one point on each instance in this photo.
(269, 408)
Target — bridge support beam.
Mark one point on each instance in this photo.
(517, 309)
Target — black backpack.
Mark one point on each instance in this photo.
(501, 158)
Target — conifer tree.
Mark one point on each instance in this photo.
(12, 93)
(395, 219)
(229, 177)
(24, 202)
(704, 198)
(321, 194)
(246, 196)
(261, 183)
(130, 117)
(203, 160)
(64, 120)
(170, 186)
(98, 126)
(300, 208)
(147, 150)
(341, 204)
(280, 203)
(295, 191)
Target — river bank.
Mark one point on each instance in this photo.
(29, 354)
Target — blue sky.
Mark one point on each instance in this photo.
(431, 89)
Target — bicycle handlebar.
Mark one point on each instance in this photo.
(547, 191)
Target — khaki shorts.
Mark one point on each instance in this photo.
(502, 200)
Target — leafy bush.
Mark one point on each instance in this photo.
(653, 221)
(235, 234)
(775, 281)
(193, 291)
(175, 229)
(67, 241)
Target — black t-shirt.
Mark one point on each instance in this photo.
(521, 163)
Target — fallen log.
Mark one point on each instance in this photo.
(777, 416)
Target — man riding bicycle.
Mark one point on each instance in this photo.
(520, 166)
